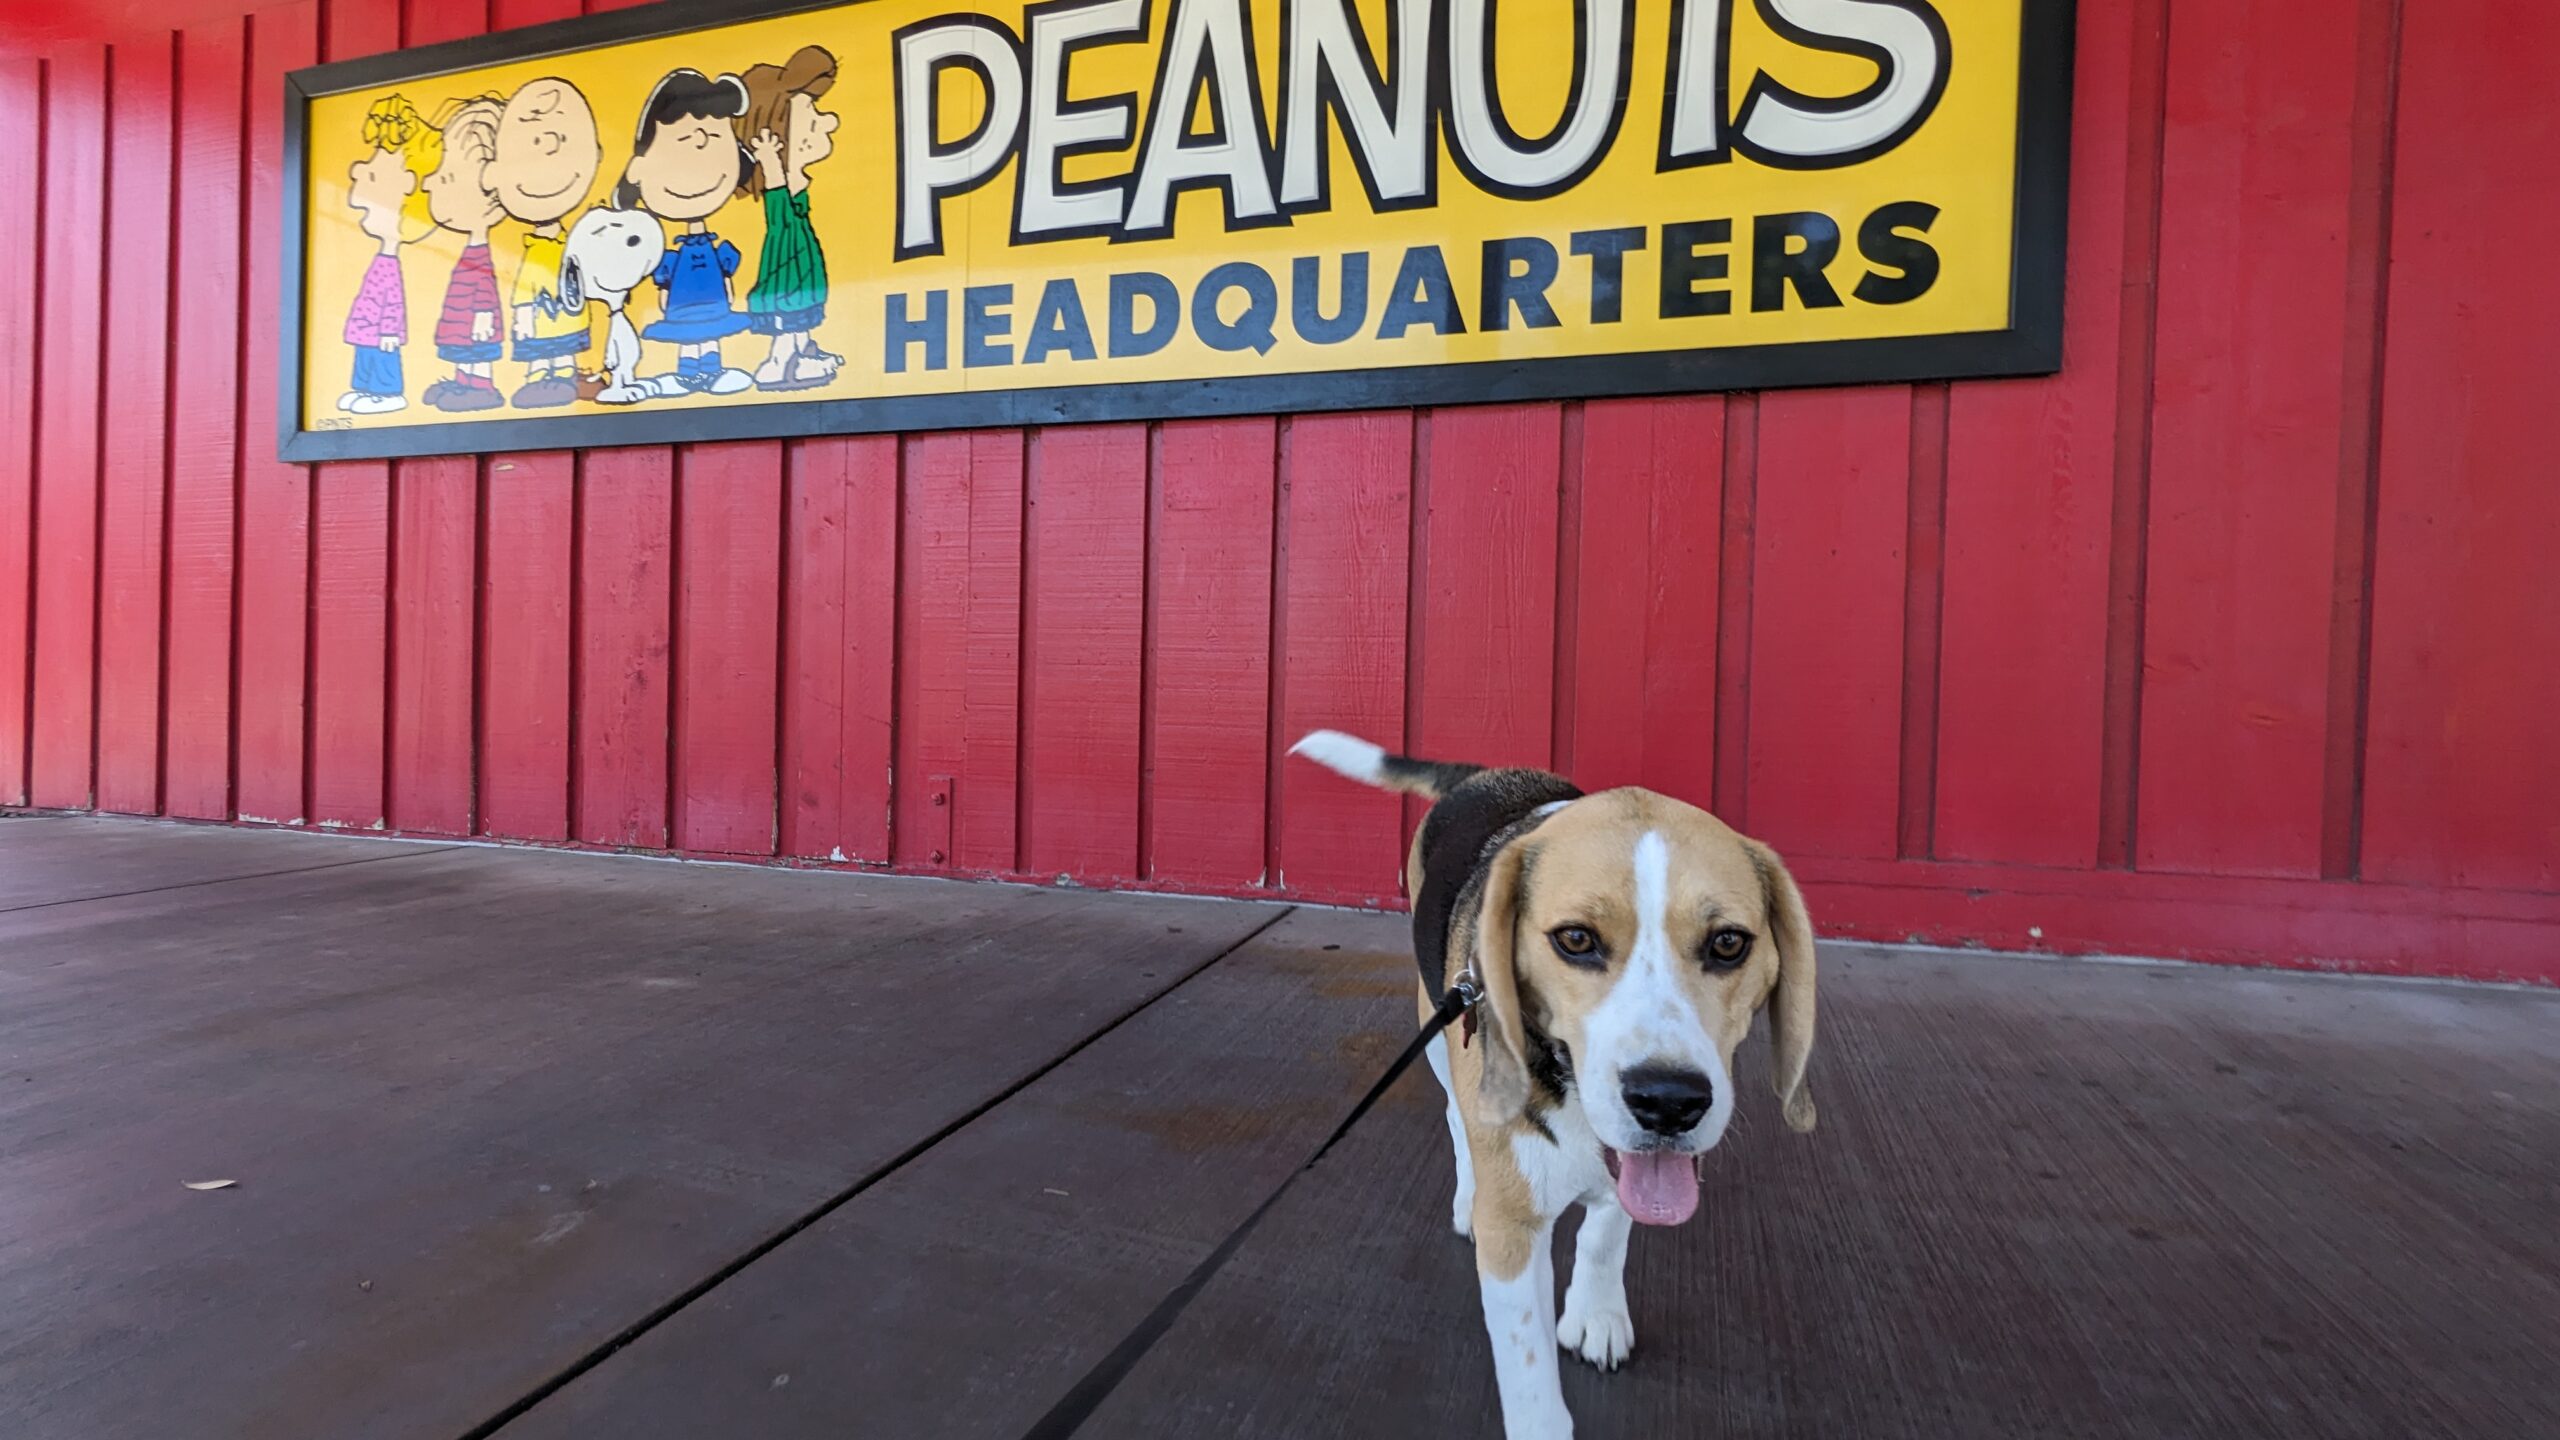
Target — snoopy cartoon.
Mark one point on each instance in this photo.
(609, 252)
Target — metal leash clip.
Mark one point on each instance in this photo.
(1469, 994)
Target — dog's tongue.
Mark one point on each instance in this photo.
(1658, 1188)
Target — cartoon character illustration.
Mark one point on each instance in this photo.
(460, 200)
(609, 253)
(686, 163)
(546, 160)
(787, 133)
(383, 189)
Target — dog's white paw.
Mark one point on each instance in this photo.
(1462, 1216)
(1600, 1332)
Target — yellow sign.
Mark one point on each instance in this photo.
(902, 214)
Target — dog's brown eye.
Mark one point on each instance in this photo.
(1726, 948)
(1576, 943)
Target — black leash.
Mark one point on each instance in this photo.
(1078, 1404)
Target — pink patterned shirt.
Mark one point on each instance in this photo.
(382, 309)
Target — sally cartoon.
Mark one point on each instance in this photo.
(546, 158)
(460, 200)
(383, 189)
(787, 133)
(686, 163)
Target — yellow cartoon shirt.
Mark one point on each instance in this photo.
(538, 276)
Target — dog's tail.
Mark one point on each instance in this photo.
(1357, 759)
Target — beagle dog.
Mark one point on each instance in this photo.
(1622, 943)
(608, 253)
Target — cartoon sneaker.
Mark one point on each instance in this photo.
(376, 404)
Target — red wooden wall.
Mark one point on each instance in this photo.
(2239, 639)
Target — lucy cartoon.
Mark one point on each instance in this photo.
(383, 189)
(786, 133)
(686, 163)
(459, 199)
(546, 158)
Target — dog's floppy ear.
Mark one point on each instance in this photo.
(1505, 1038)
(1791, 1003)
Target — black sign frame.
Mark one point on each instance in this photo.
(2031, 345)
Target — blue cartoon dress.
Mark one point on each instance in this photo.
(695, 274)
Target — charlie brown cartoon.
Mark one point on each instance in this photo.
(547, 158)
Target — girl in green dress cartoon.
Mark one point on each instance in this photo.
(787, 133)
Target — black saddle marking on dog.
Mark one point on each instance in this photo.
(1460, 837)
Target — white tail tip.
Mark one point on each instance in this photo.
(1345, 755)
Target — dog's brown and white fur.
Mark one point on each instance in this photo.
(1623, 942)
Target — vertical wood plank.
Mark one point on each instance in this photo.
(273, 623)
(134, 478)
(2128, 528)
(988, 837)
(2462, 779)
(350, 572)
(1737, 544)
(620, 633)
(815, 499)
(933, 621)
(1208, 718)
(2245, 438)
(1924, 564)
(960, 617)
(1642, 571)
(728, 619)
(67, 427)
(867, 724)
(21, 233)
(1344, 552)
(2030, 480)
(351, 554)
(524, 645)
(2371, 175)
(205, 451)
(428, 732)
(1832, 517)
(839, 637)
(1084, 596)
(1485, 677)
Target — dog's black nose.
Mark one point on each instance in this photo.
(634, 240)
(1666, 1099)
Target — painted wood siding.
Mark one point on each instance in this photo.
(2237, 640)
